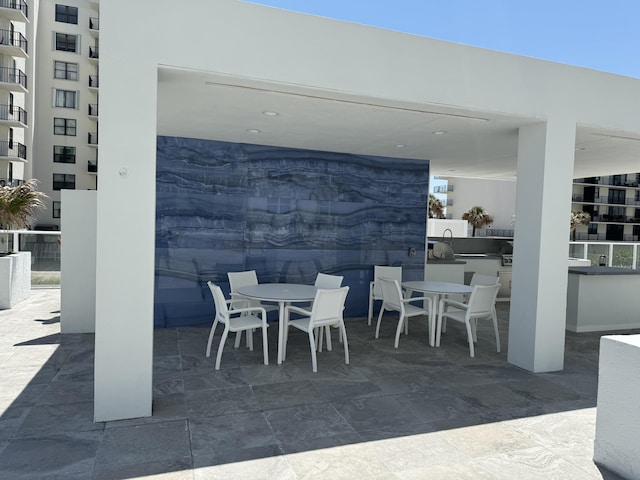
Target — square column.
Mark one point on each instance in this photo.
(543, 204)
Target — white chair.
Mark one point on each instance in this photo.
(236, 320)
(375, 292)
(481, 305)
(392, 300)
(476, 279)
(326, 281)
(327, 309)
(243, 279)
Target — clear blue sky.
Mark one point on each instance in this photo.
(603, 35)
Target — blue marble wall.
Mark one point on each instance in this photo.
(286, 213)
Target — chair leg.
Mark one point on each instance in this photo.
(370, 309)
(494, 318)
(312, 345)
(319, 334)
(470, 338)
(236, 344)
(401, 320)
(439, 321)
(379, 319)
(406, 326)
(213, 329)
(221, 346)
(345, 343)
(265, 346)
(327, 330)
(474, 329)
(250, 339)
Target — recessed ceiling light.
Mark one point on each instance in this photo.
(440, 132)
(269, 113)
(253, 130)
(400, 145)
(580, 149)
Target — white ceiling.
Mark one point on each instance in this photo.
(477, 144)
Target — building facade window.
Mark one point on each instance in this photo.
(64, 126)
(65, 70)
(66, 42)
(64, 154)
(64, 180)
(66, 14)
(56, 209)
(592, 228)
(65, 98)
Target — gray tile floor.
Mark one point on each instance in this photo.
(408, 413)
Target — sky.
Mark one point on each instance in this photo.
(602, 35)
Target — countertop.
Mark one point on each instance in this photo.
(603, 271)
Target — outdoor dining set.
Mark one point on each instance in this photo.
(316, 309)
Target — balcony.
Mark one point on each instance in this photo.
(5, 182)
(94, 82)
(94, 26)
(93, 109)
(443, 189)
(13, 43)
(92, 139)
(13, 79)
(13, 116)
(94, 54)
(16, 10)
(13, 151)
(92, 166)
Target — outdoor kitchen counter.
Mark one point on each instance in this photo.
(603, 299)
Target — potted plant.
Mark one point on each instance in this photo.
(18, 205)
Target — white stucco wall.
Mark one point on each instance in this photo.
(618, 416)
(78, 261)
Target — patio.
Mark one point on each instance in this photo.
(414, 412)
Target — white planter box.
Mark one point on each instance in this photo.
(15, 279)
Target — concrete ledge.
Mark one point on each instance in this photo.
(618, 412)
(15, 278)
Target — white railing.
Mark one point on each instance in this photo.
(45, 252)
(617, 254)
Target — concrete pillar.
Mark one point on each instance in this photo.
(125, 224)
(543, 204)
(78, 261)
(618, 416)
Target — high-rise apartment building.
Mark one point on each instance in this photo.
(613, 201)
(49, 97)
(15, 90)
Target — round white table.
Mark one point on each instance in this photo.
(282, 293)
(437, 289)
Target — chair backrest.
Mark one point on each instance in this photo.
(328, 305)
(393, 273)
(480, 279)
(222, 312)
(483, 298)
(242, 279)
(391, 292)
(328, 281)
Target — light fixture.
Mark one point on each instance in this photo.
(400, 145)
(270, 113)
(440, 132)
(253, 130)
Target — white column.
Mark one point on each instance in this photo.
(543, 204)
(125, 224)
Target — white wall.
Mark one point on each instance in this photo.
(78, 261)
(436, 228)
(497, 197)
(618, 415)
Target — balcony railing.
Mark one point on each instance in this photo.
(93, 109)
(94, 23)
(93, 53)
(13, 39)
(443, 188)
(16, 5)
(94, 81)
(13, 114)
(13, 75)
(92, 166)
(92, 138)
(13, 149)
(5, 182)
